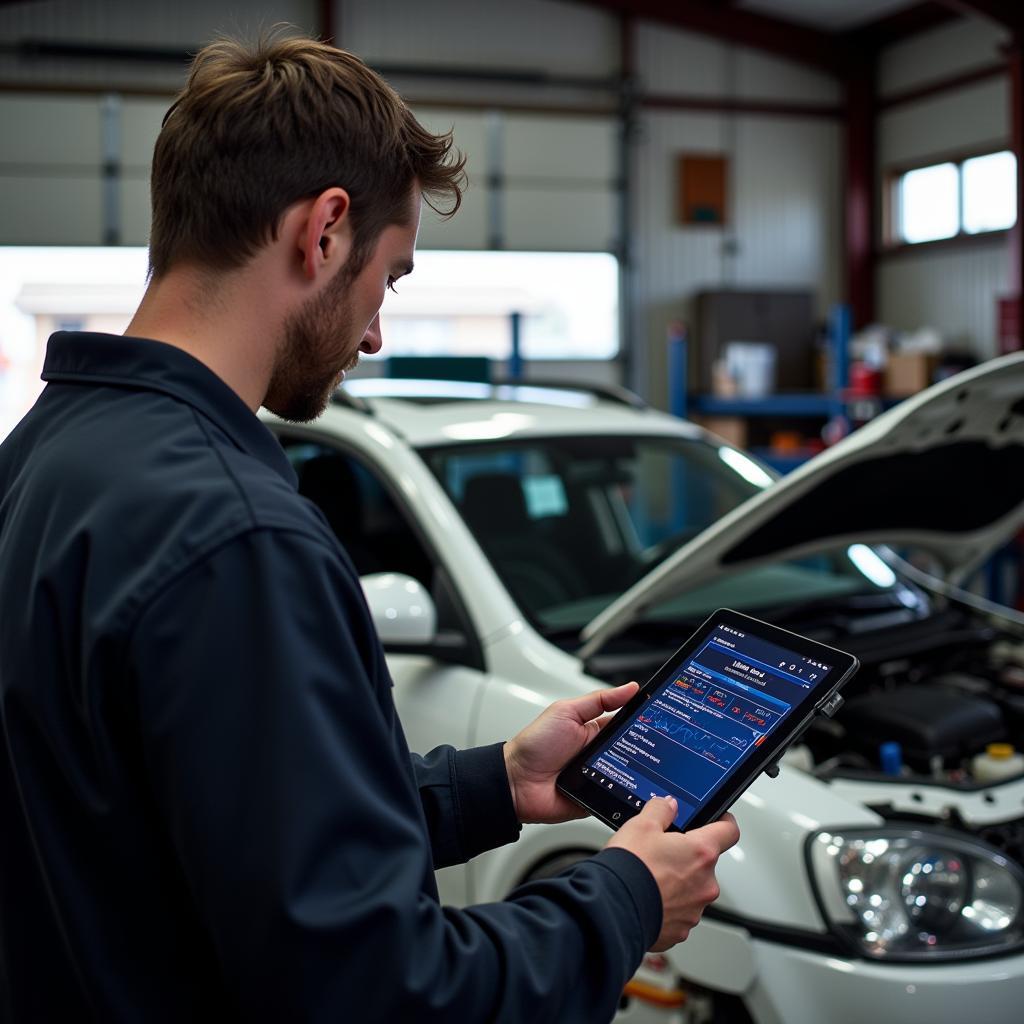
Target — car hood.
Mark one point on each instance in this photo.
(943, 471)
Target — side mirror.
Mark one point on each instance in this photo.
(402, 609)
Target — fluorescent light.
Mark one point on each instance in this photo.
(745, 466)
(871, 565)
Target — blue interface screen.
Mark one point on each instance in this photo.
(714, 710)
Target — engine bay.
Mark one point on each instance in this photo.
(945, 717)
(941, 705)
(938, 691)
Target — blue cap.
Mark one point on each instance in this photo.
(891, 756)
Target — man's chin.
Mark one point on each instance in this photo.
(300, 408)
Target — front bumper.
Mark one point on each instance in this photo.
(795, 986)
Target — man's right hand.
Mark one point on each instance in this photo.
(683, 864)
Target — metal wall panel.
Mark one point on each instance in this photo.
(788, 205)
(555, 186)
(579, 219)
(46, 134)
(562, 38)
(140, 125)
(50, 181)
(947, 123)
(761, 76)
(183, 24)
(563, 149)
(785, 229)
(671, 60)
(38, 210)
(676, 62)
(963, 45)
(135, 212)
(468, 229)
(954, 291)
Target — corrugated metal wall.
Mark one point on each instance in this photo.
(786, 203)
(558, 172)
(180, 24)
(954, 290)
(567, 38)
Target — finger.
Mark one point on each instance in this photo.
(660, 810)
(724, 833)
(599, 701)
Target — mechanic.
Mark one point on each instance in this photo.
(209, 809)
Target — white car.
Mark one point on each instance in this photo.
(522, 544)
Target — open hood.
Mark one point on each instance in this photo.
(943, 471)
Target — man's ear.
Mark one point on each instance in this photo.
(325, 239)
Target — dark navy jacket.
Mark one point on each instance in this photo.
(207, 807)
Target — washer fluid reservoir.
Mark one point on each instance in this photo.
(1000, 761)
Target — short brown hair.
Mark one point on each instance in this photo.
(259, 128)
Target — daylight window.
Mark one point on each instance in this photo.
(990, 192)
(953, 198)
(929, 203)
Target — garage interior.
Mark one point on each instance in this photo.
(742, 163)
(777, 220)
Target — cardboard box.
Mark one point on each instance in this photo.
(906, 373)
(731, 429)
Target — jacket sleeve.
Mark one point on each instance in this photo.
(466, 800)
(285, 788)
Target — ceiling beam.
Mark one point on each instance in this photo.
(797, 43)
(898, 26)
(1008, 13)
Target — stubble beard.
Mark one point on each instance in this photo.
(318, 347)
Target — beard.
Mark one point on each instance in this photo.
(318, 347)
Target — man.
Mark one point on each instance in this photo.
(208, 807)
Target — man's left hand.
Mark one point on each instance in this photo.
(535, 756)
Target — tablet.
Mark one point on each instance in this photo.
(719, 712)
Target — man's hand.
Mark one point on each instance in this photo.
(683, 864)
(535, 756)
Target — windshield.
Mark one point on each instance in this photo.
(570, 523)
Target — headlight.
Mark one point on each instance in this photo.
(902, 894)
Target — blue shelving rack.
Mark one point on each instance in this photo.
(796, 404)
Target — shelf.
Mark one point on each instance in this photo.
(796, 404)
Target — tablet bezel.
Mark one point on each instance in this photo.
(615, 812)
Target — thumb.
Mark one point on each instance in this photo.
(612, 700)
(661, 811)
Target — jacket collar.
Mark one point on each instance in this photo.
(141, 364)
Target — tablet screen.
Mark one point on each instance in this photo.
(726, 697)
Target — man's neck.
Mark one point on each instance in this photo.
(227, 326)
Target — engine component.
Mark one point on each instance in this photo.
(927, 721)
(1000, 761)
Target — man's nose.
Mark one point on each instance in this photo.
(372, 341)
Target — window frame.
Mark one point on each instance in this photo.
(892, 243)
(470, 655)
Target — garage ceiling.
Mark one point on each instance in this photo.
(830, 15)
(834, 36)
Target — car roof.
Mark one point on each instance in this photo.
(428, 413)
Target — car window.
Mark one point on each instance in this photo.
(571, 523)
(359, 509)
(568, 520)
